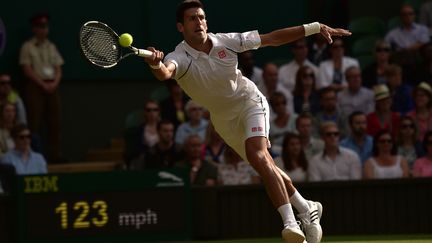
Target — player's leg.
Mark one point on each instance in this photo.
(310, 212)
(261, 160)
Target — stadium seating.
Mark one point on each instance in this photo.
(367, 26)
(364, 45)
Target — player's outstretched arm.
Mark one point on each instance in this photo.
(160, 70)
(287, 35)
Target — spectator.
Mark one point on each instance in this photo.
(355, 97)
(172, 108)
(407, 144)
(383, 117)
(202, 172)
(139, 139)
(331, 72)
(196, 124)
(306, 98)
(422, 113)
(410, 36)
(318, 50)
(331, 112)
(236, 171)
(22, 157)
(9, 95)
(270, 85)
(385, 164)
(293, 159)
(283, 122)
(335, 162)
(401, 93)
(41, 63)
(311, 145)
(287, 72)
(373, 74)
(359, 141)
(423, 166)
(164, 154)
(214, 146)
(247, 66)
(8, 120)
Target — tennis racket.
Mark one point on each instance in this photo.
(100, 45)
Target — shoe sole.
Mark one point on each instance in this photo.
(293, 237)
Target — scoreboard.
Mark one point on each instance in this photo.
(104, 207)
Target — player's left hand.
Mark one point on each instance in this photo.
(328, 32)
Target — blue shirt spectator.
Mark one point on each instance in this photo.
(26, 164)
(197, 124)
(364, 151)
(22, 157)
(410, 35)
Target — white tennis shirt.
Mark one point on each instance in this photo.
(214, 80)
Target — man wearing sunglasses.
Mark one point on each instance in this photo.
(335, 163)
(23, 158)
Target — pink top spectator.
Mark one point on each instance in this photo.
(422, 167)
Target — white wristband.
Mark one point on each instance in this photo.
(312, 28)
(158, 66)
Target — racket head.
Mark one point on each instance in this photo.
(100, 44)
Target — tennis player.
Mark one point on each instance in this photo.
(205, 66)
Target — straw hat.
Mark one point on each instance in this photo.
(381, 91)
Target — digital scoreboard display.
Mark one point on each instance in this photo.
(104, 207)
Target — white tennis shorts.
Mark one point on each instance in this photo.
(252, 121)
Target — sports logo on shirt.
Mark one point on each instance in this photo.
(257, 129)
(222, 54)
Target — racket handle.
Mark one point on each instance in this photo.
(143, 53)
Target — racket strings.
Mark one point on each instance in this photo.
(100, 45)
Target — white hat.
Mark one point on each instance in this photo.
(381, 91)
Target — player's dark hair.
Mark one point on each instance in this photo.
(185, 5)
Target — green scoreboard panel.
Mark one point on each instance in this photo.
(104, 207)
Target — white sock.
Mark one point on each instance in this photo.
(287, 214)
(299, 203)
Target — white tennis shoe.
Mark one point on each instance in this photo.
(311, 222)
(293, 235)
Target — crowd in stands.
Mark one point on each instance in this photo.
(332, 116)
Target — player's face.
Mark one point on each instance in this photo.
(194, 27)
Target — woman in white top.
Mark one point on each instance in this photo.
(385, 164)
(293, 159)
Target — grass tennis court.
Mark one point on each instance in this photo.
(344, 239)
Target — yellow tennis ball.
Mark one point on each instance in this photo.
(125, 40)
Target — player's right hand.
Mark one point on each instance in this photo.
(155, 58)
